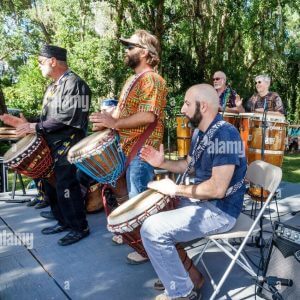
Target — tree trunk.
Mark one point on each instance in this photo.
(3, 108)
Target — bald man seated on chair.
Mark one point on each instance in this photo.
(211, 205)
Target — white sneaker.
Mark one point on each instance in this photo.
(135, 258)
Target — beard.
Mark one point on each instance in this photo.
(197, 117)
(217, 85)
(133, 60)
(46, 70)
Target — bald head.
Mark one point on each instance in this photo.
(200, 105)
(204, 93)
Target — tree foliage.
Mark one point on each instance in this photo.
(198, 37)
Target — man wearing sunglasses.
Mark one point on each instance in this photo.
(264, 100)
(229, 99)
(142, 101)
(63, 122)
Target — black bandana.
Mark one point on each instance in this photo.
(54, 51)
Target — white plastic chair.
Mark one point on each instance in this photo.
(261, 174)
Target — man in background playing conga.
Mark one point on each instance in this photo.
(63, 123)
(263, 100)
(142, 102)
(227, 96)
(210, 205)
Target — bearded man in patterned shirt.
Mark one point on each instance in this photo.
(142, 102)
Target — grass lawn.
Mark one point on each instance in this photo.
(25, 179)
(291, 168)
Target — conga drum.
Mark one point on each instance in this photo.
(184, 134)
(275, 134)
(245, 123)
(30, 156)
(128, 218)
(99, 156)
(231, 118)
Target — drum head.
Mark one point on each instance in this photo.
(20, 147)
(90, 143)
(227, 114)
(246, 115)
(275, 118)
(134, 207)
(270, 117)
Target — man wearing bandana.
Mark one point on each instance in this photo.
(63, 123)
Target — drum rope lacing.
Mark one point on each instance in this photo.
(108, 167)
(132, 224)
(34, 167)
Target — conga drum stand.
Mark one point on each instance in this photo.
(260, 242)
(17, 198)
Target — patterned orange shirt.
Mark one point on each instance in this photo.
(148, 94)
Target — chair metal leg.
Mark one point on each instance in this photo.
(196, 261)
(246, 267)
(276, 203)
(212, 282)
(239, 250)
(241, 255)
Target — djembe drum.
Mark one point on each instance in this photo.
(31, 157)
(99, 156)
(128, 218)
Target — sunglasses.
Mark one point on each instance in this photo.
(130, 47)
(216, 79)
(256, 82)
(42, 61)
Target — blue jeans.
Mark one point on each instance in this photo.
(138, 174)
(161, 232)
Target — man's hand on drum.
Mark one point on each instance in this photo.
(153, 157)
(103, 120)
(23, 118)
(25, 128)
(97, 127)
(165, 186)
(238, 101)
